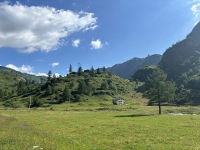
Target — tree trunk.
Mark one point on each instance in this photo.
(159, 107)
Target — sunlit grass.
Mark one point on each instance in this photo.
(139, 128)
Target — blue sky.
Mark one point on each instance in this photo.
(41, 35)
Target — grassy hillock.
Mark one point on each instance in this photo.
(85, 90)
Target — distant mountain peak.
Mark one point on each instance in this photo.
(128, 68)
(195, 34)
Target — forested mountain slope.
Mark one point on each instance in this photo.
(128, 68)
(183, 58)
(181, 62)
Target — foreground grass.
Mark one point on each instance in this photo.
(110, 129)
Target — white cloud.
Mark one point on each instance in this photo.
(41, 74)
(24, 68)
(91, 28)
(43, 28)
(196, 9)
(96, 44)
(76, 42)
(57, 75)
(192, 1)
(55, 64)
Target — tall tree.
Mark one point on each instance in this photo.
(70, 68)
(92, 71)
(49, 91)
(53, 80)
(80, 71)
(82, 87)
(1, 93)
(104, 69)
(98, 71)
(21, 88)
(65, 94)
(49, 76)
(159, 90)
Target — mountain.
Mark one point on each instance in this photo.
(25, 76)
(181, 62)
(142, 73)
(183, 57)
(128, 68)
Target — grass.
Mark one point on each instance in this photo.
(114, 128)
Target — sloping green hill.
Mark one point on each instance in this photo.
(25, 76)
(100, 87)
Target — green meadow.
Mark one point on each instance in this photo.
(127, 127)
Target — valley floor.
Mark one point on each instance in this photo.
(116, 128)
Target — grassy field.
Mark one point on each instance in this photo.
(104, 128)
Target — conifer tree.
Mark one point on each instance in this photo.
(104, 69)
(49, 76)
(70, 68)
(49, 91)
(92, 72)
(98, 71)
(159, 90)
(65, 94)
(80, 71)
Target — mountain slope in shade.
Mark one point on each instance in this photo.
(128, 68)
(183, 56)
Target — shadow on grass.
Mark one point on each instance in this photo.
(135, 115)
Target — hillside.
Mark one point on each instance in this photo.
(181, 62)
(76, 87)
(25, 76)
(183, 57)
(128, 68)
(142, 73)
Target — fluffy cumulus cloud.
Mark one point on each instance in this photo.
(76, 42)
(96, 44)
(23, 68)
(43, 28)
(57, 75)
(55, 64)
(195, 7)
(41, 74)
